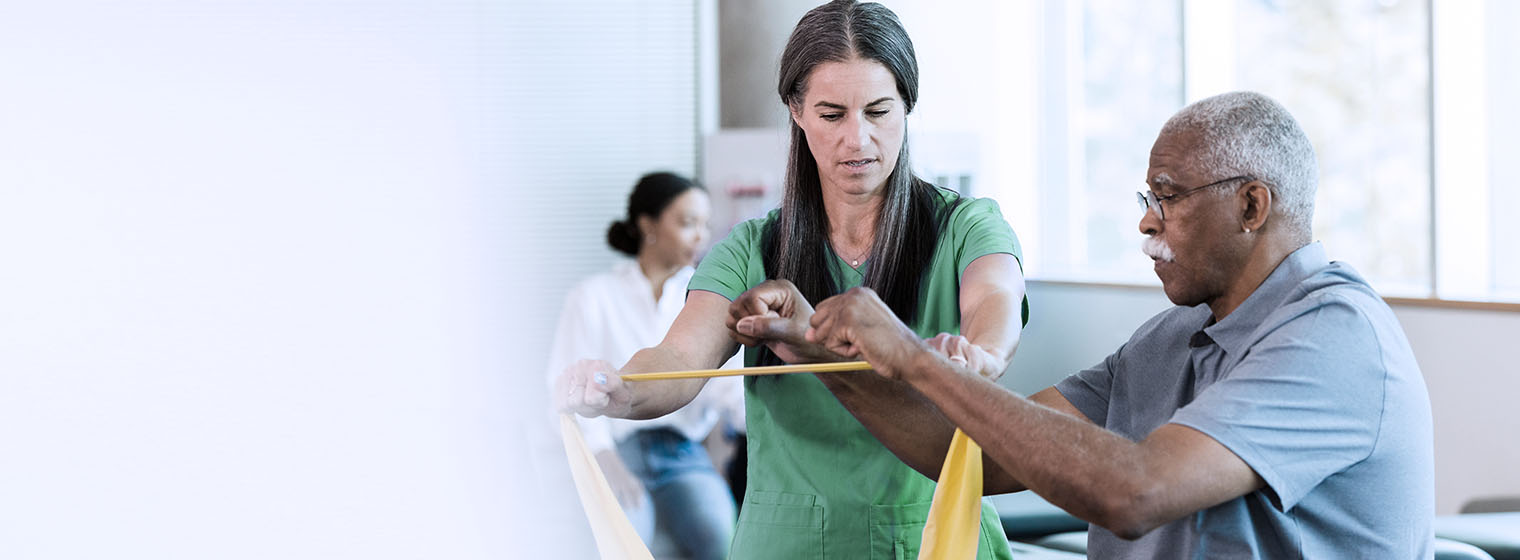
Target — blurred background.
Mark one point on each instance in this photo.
(277, 278)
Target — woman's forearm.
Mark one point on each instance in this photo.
(652, 399)
(992, 297)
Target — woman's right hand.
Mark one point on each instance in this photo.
(775, 313)
(592, 388)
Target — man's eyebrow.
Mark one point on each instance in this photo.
(878, 101)
(1161, 180)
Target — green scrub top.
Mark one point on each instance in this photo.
(819, 485)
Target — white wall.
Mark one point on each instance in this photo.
(249, 304)
(601, 92)
(1073, 327)
(1473, 385)
(751, 38)
(1463, 354)
(278, 274)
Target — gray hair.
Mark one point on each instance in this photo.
(1247, 133)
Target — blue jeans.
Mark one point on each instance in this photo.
(691, 500)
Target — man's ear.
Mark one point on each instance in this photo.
(1256, 205)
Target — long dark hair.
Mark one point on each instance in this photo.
(907, 228)
(650, 196)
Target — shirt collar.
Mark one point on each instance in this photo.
(1233, 334)
(628, 270)
(630, 273)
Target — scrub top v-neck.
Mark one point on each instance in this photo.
(846, 274)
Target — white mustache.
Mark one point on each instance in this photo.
(1157, 249)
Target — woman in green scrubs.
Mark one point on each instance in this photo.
(820, 484)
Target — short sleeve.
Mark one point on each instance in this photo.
(1089, 389)
(727, 267)
(978, 229)
(1304, 404)
(979, 226)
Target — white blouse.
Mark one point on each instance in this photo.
(612, 315)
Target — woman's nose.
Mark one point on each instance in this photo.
(858, 133)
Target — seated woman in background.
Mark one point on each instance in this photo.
(657, 468)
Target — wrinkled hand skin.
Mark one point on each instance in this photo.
(775, 314)
(858, 325)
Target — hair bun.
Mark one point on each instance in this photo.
(622, 236)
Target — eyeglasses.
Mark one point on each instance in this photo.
(1149, 201)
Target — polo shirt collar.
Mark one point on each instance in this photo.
(1233, 334)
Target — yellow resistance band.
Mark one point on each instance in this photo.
(616, 538)
(763, 370)
(950, 532)
(955, 514)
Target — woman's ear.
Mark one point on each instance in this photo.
(646, 225)
(1256, 205)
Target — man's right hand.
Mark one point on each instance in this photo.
(592, 388)
(859, 323)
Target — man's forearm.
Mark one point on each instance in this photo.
(1072, 463)
(897, 415)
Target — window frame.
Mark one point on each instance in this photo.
(1459, 183)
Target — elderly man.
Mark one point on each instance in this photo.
(1276, 412)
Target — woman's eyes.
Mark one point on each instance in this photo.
(831, 117)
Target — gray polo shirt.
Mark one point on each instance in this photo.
(1310, 382)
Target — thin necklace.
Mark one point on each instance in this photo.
(855, 262)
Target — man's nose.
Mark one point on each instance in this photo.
(1150, 223)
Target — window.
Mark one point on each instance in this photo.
(1356, 74)
(1403, 100)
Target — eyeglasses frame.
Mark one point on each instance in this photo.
(1149, 200)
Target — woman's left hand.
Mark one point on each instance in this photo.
(776, 314)
(962, 352)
